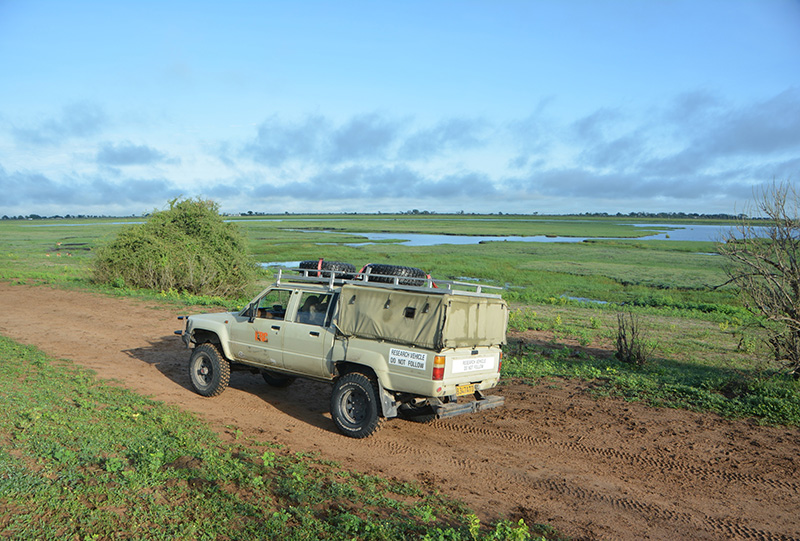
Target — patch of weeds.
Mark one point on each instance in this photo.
(633, 346)
(523, 319)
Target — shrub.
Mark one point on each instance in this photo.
(187, 248)
(632, 344)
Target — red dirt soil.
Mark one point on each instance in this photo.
(591, 468)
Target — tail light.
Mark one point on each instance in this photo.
(438, 368)
(500, 363)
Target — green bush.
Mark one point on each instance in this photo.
(188, 248)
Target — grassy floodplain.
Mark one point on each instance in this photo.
(570, 291)
(564, 297)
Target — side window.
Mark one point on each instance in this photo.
(313, 308)
(273, 304)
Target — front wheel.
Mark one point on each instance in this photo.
(354, 405)
(209, 371)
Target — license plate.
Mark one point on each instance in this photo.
(464, 390)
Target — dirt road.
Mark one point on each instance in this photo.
(593, 469)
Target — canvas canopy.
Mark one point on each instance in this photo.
(432, 321)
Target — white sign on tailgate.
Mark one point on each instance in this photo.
(472, 364)
(409, 359)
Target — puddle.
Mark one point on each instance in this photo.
(583, 299)
(290, 264)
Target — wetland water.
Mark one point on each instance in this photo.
(706, 233)
(703, 233)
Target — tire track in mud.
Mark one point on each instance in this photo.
(659, 464)
(728, 528)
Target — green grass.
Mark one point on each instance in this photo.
(767, 397)
(46, 251)
(83, 459)
(662, 274)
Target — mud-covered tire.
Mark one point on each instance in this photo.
(354, 405)
(407, 276)
(209, 371)
(275, 379)
(343, 270)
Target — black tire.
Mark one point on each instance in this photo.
(343, 270)
(354, 405)
(408, 276)
(277, 380)
(209, 371)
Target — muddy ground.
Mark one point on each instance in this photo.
(593, 469)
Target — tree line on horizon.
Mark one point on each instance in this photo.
(417, 212)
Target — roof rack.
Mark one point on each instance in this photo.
(425, 285)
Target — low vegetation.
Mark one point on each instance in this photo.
(692, 364)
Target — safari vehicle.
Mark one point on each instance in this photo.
(392, 341)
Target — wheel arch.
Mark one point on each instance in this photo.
(347, 367)
(203, 336)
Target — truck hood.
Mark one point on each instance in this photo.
(210, 321)
(217, 317)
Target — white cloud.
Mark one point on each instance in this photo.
(127, 153)
(76, 120)
(694, 151)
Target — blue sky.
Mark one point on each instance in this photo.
(497, 106)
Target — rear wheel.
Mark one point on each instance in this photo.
(209, 371)
(354, 405)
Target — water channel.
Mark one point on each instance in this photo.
(705, 233)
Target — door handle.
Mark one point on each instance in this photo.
(314, 333)
(276, 327)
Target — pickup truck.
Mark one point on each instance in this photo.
(390, 345)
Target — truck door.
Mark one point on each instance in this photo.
(261, 340)
(308, 340)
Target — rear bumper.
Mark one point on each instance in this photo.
(481, 402)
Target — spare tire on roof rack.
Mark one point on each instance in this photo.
(407, 276)
(343, 270)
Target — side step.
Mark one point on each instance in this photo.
(480, 403)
